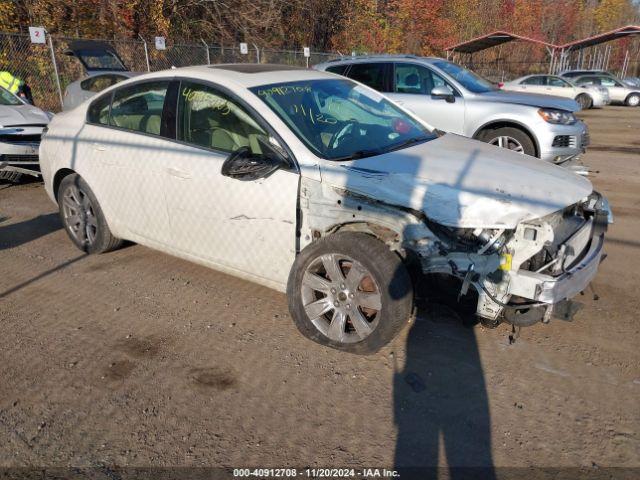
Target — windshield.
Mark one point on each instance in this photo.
(7, 98)
(469, 80)
(341, 120)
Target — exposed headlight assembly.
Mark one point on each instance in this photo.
(558, 117)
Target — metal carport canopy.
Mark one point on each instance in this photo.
(602, 37)
(493, 39)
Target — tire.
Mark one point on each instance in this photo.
(633, 100)
(585, 101)
(521, 139)
(383, 283)
(82, 217)
(13, 177)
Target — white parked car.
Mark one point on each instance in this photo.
(588, 96)
(619, 91)
(316, 185)
(21, 126)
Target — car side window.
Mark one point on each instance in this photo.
(100, 82)
(556, 82)
(339, 69)
(139, 107)
(99, 110)
(371, 74)
(609, 82)
(416, 79)
(209, 118)
(533, 81)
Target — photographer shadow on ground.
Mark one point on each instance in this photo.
(441, 405)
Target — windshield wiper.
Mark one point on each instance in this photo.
(359, 154)
(406, 143)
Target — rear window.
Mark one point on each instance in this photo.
(373, 75)
(339, 69)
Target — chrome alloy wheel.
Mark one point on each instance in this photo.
(79, 215)
(341, 298)
(507, 142)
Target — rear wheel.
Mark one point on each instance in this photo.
(585, 101)
(83, 218)
(511, 138)
(350, 292)
(633, 100)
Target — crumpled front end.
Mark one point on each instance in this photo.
(528, 274)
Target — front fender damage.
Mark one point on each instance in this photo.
(538, 265)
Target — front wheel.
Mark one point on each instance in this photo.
(350, 292)
(82, 217)
(511, 138)
(633, 100)
(584, 101)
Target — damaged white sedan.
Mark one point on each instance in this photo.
(321, 187)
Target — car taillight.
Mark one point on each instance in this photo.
(500, 84)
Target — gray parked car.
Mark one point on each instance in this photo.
(454, 99)
(619, 91)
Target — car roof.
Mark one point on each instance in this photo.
(245, 74)
(379, 58)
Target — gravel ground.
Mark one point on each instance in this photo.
(136, 358)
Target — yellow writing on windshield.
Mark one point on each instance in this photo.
(313, 116)
(284, 90)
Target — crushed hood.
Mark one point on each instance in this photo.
(17, 115)
(459, 182)
(531, 99)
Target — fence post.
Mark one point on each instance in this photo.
(146, 52)
(206, 49)
(55, 68)
(257, 52)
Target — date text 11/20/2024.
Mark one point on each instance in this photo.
(315, 473)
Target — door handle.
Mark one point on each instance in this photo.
(178, 173)
(98, 147)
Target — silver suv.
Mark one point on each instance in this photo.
(454, 99)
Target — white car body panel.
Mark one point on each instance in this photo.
(453, 180)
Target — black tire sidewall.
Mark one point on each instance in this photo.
(628, 100)
(389, 272)
(104, 239)
(588, 101)
(519, 135)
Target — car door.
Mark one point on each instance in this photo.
(617, 91)
(533, 84)
(246, 226)
(559, 87)
(412, 86)
(129, 154)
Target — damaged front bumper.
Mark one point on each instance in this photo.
(524, 296)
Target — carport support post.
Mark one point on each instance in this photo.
(146, 52)
(206, 49)
(55, 68)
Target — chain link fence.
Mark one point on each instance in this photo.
(42, 66)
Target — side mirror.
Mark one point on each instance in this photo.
(247, 166)
(443, 93)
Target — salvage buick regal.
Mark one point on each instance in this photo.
(323, 188)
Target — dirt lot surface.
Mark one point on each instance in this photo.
(135, 358)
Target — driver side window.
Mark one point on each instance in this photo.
(410, 78)
(209, 118)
